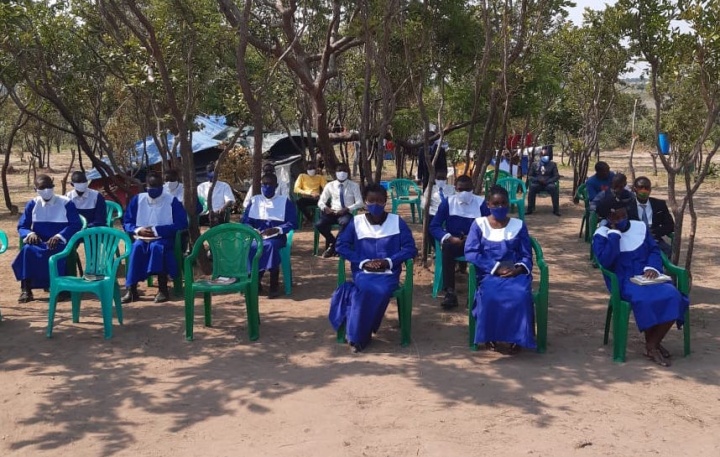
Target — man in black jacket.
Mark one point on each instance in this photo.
(654, 212)
(543, 176)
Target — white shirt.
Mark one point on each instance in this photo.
(221, 195)
(448, 190)
(177, 193)
(282, 189)
(647, 210)
(351, 194)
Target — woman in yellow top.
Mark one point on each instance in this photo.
(308, 188)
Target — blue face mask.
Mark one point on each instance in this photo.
(545, 159)
(155, 192)
(622, 224)
(500, 213)
(267, 190)
(375, 209)
(210, 175)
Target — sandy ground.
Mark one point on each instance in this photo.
(295, 392)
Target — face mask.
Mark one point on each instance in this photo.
(311, 172)
(642, 196)
(622, 224)
(154, 192)
(210, 176)
(46, 194)
(267, 190)
(341, 175)
(172, 185)
(80, 186)
(500, 213)
(465, 196)
(545, 159)
(375, 209)
(440, 182)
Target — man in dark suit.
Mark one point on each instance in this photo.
(543, 176)
(653, 211)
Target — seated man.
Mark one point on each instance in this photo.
(273, 216)
(153, 218)
(653, 212)
(544, 176)
(376, 244)
(89, 203)
(173, 186)
(46, 225)
(308, 187)
(222, 199)
(628, 249)
(450, 227)
(344, 197)
(600, 181)
(618, 190)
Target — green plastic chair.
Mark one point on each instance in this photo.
(582, 195)
(3, 248)
(593, 222)
(540, 299)
(102, 259)
(438, 275)
(316, 234)
(230, 247)
(404, 296)
(511, 185)
(114, 212)
(619, 310)
(286, 264)
(400, 195)
(489, 179)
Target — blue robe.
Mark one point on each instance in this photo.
(91, 205)
(46, 219)
(362, 303)
(628, 254)
(455, 218)
(166, 216)
(503, 307)
(264, 213)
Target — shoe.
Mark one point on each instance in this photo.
(131, 295)
(450, 301)
(557, 213)
(329, 252)
(527, 213)
(274, 293)
(162, 296)
(26, 296)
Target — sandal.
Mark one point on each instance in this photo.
(491, 346)
(665, 353)
(514, 349)
(656, 356)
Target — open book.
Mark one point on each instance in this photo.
(643, 281)
(220, 280)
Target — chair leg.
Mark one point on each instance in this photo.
(75, 299)
(118, 302)
(608, 319)
(52, 304)
(438, 277)
(207, 299)
(686, 334)
(406, 327)
(189, 314)
(340, 335)
(541, 322)
(620, 331)
(286, 271)
(316, 242)
(251, 303)
(472, 323)
(106, 308)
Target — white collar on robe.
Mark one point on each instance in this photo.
(470, 210)
(85, 201)
(56, 200)
(364, 229)
(50, 211)
(631, 239)
(153, 212)
(510, 231)
(268, 209)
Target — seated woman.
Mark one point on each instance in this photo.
(500, 249)
(628, 249)
(376, 244)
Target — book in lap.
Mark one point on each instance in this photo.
(643, 281)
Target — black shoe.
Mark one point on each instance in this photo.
(131, 295)
(450, 301)
(26, 296)
(329, 252)
(162, 296)
(64, 296)
(557, 213)
(274, 293)
(527, 213)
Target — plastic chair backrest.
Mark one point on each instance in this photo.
(3, 242)
(230, 247)
(114, 211)
(511, 185)
(401, 188)
(101, 249)
(582, 194)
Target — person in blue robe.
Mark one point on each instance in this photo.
(499, 246)
(89, 202)
(153, 218)
(273, 216)
(376, 244)
(628, 249)
(450, 227)
(46, 225)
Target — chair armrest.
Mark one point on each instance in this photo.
(614, 284)
(69, 248)
(680, 274)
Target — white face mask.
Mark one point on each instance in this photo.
(311, 172)
(172, 185)
(465, 197)
(341, 175)
(80, 186)
(46, 194)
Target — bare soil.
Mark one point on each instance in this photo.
(296, 392)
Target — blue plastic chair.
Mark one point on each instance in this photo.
(512, 185)
(400, 195)
(102, 259)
